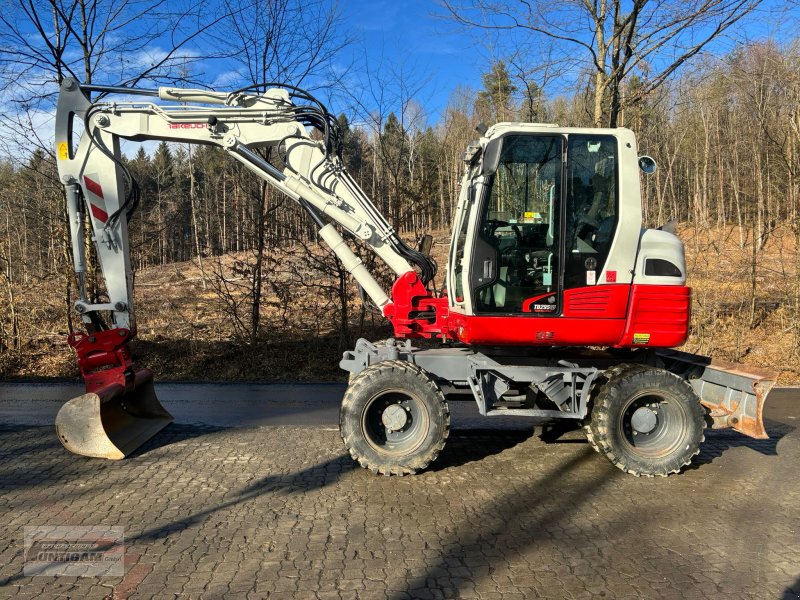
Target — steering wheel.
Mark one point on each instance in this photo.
(585, 230)
(493, 224)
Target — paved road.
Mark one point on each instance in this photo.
(227, 405)
(256, 405)
(279, 511)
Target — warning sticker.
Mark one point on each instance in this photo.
(641, 338)
(591, 277)
(63, 151)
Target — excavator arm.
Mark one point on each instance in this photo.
(100, 190)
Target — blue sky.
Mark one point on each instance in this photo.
(441, 56)
(412, 33)
(389, 37)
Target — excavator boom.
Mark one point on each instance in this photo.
(120, 409)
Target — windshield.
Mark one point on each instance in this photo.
(519, 227)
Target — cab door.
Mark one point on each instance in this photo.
(517, 250)
(592, 192)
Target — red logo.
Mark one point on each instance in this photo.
(188, 125)
(611, 276)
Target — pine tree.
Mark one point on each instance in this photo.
(495, 102)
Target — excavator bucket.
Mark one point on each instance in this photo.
(112, 422)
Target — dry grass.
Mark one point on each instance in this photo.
(726, 323)
(185, 335)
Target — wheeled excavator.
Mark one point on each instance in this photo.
(556, 302)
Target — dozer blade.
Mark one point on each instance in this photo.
(112, 423)
(733, 394)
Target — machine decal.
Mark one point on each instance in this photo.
(544, 307)
(641, 338)
(93, 186)
(541, 303)
(611, 276)
(63, 151)
(97, 208)
(591, 277)
(188, 125)
(98, 213)
(548, 306)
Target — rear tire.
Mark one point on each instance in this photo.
(646, 421)
(394, 419)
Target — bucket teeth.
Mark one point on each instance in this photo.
(112, 422)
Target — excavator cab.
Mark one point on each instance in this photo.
(546, 243)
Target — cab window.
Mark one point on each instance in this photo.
(592, 200)
(518, 234)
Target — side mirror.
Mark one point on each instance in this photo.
(647, 165)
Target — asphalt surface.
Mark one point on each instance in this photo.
(227, 405)
(250, 494)
(257, 405)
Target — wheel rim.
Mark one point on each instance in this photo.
(654, 425)
(395, 422)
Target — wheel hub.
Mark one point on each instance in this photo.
(394, 417)
(644, 419)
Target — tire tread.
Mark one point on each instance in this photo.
(358, 385)
(597, 431)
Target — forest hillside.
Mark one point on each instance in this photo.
(189, 328)
(231, 282)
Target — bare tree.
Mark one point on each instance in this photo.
(612, 38)
(277, 41)
(119, 42)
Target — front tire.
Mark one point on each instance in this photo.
(394, 419)
(646, 421)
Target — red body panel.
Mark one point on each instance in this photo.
(619, 315)
(597, 302)
(409, 298)
(519, 330)
(660, 311)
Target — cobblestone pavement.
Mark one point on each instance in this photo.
(281, 512)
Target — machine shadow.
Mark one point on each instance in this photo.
(172, 434)
(554, 432)
(18, 440)
(792, 592)
(529, 504)
(719, 441)
(32, 455)
(298, 482)
(470, 445)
